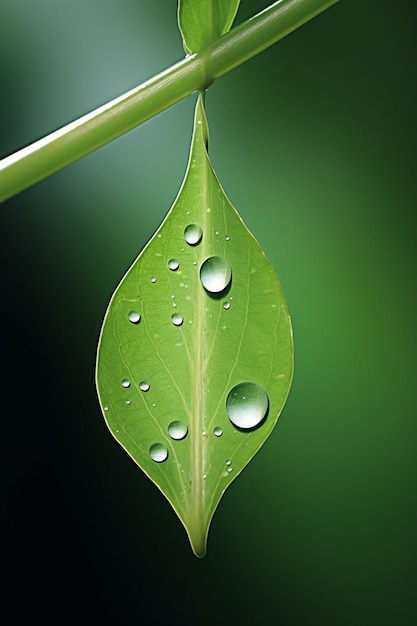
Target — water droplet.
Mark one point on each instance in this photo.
(153, 279)
(216, 233)
(128, 401)
(194, 262)
(176, 319)
(247, 405)
(218, 431)
(106, 408)
(204, 433)
(134, 317)
(158, 452)
(227, 238)
(228, 462)
(204, 476)
(125, 383)
(173, 264)
(177, 430)
(193, 234)
(144, 386)
(230, 469)
(215, 274)
(226, 306)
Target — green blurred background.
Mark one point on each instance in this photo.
(314, 142)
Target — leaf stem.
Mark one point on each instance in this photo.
(194, 73)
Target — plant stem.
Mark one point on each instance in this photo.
(81, 137)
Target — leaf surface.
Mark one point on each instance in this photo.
(203, 21)
(195, 356)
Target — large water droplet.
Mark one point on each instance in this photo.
(177, 430)
(176, 319)
(193, 234)
(218, 431)
(134, 317)
(247, 405)
(144, 386)
(215, 274)
(125, 383)
(173, 264)
(158, 452)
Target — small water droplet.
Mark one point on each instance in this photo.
(173, 264)
(193, 234)
(153, 404)
(134, 317)
(218, 431)
(194, 262)
(176, 319)
(158, 452)
(228, 462)
(125, 383)
(128, 401)
(230, 469)
(204, 433)
(247, 405)
(144, 386)
(215, 274)
(226, 306)
(106, 408)
(153, 279)
(204, 476)
(216, 233)
(227, 238)
(177, 430)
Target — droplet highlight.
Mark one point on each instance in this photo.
(193, 234)
(153, 279)
(176, 319)
(134, 317)
(218, 431)
(177, 430)
(144, 386)
(215, 274)
(125, 383)
(158, 452)
(247, 405)
(173, 264)
(226, 306)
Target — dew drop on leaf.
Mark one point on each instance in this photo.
(158, 452)
(218, 431)
(215, 274)
(153, 279)
(193, 234)
(177, 430)
(176, 319)
(173, 264)
(226, 306)
(247, 405)
(144, 386)
(125, 383)
(134, 317)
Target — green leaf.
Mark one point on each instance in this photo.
(195, 356)
(203, 21)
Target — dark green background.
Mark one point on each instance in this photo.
(314, 141)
